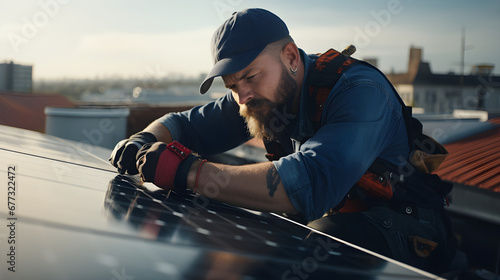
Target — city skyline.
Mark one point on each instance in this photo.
(89, 39)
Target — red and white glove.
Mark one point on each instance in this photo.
(165, 165)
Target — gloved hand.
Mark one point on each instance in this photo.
(123, 156)
(165, 165)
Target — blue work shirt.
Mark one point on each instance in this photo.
(361, 120)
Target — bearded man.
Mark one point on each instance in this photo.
(268, 78)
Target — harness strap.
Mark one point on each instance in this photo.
(329, 64)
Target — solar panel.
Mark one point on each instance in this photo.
(74, 217)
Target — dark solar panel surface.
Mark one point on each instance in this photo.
(75, 218)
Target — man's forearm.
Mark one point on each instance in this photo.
(255, 186)
(160, 131)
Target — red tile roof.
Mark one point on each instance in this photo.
(474, 161)
(26, 110)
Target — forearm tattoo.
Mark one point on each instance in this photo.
(273, 180)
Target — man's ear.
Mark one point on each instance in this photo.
(290, 55)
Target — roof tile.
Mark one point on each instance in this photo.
(475, 161)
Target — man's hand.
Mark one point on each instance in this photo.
(123, 156)
(165, 165)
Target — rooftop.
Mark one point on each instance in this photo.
(419, 72)
(475, 160)
(26, 110)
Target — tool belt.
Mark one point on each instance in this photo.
(419, 188)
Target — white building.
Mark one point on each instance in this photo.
(442, 93)
(15, 77)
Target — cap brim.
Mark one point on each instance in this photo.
(230, 65)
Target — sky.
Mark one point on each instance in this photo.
(87, 39)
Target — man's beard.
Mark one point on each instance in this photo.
(263, 117)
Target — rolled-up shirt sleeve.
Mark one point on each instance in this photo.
(360, 122)
(209, 129)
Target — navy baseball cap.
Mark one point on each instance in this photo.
(240, 39)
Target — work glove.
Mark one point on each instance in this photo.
(124, 154)
(165, 165)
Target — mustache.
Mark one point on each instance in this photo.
(258, 103)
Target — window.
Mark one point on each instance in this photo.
(430, 96)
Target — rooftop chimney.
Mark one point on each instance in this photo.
(414, 61)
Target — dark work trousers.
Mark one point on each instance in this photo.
(416, 236)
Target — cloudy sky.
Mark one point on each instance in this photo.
(125, 38)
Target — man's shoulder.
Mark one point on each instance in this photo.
(362, 69)
(363, 74)
(362, 85)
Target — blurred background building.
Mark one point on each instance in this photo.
(16, 77)
(442, 93)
